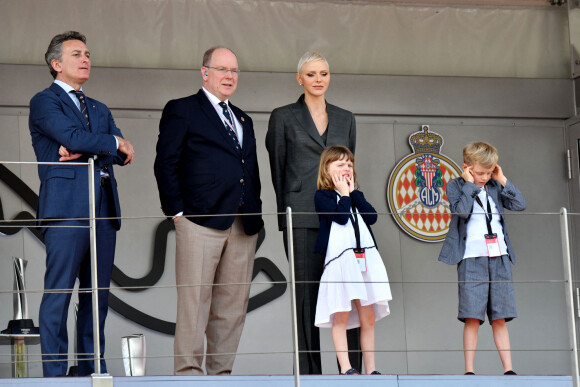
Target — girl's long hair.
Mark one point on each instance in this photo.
(329, 155)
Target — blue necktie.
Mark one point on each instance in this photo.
(83, 108)
(230, 125)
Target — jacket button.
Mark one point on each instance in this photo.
(463, 238)
(242, 181)
(243, 161)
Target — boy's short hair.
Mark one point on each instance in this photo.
(480, 153)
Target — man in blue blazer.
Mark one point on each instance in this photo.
(208, 180)
(66, 125)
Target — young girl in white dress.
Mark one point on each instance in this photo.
(354, 288)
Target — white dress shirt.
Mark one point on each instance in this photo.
(475, 245)
(215, 101)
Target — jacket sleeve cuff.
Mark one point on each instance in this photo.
(509, 189)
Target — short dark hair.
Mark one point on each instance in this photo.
(209, 53)
(54, 50)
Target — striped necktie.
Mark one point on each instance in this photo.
(230, 126)
(83, 106)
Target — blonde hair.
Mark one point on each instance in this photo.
(480, 153)
(330, 155)
(311, 56)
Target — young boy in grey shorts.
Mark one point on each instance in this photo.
(477, 241)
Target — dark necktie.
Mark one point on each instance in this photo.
(83, 106)
(234, 137)
(230, 125)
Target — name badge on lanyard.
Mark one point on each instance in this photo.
(491, 240)
(493, 249)
(361, 258)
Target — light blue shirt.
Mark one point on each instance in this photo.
(70, 92)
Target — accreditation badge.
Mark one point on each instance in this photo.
(361, 258)
(492, 243)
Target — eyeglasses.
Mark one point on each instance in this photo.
(224, 71)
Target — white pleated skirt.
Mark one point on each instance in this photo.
(342, 280)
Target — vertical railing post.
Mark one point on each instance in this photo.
(94, 277)
(569, 292)
(290, 244)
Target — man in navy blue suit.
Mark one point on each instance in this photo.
(206, 168)
(66, 125)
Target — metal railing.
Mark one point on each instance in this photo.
(567, 258)
(567, 281)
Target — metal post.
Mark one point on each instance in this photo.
(569, 292)
(293, 295)
(94, 277)
(19, 358)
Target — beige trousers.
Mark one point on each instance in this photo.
(206, 256)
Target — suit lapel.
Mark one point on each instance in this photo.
(59, 91)
(494, 193)
(334, 123)
(304, 118)
(208, 109)
(93, 116)
(245, 125)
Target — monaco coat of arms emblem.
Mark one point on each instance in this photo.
(416, 188)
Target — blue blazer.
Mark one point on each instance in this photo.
(461, 195)
(325, 201)
(198, 169)
(54, 121)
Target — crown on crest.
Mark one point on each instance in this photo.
(424, 141)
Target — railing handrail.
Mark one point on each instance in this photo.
(568, 278)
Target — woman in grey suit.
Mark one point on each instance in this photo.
(297, 135)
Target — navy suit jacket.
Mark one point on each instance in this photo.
(461, 195)
(325, 201)
(198, 169)
(54, 121)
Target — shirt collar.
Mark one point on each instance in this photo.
(212, 98)
(68, 88)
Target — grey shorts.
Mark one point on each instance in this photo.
(480, 294)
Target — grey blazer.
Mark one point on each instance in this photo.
(294, 147)
(461, 195)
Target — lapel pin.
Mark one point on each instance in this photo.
(243, 119)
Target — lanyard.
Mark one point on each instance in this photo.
(488, 213)
(354, 218)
